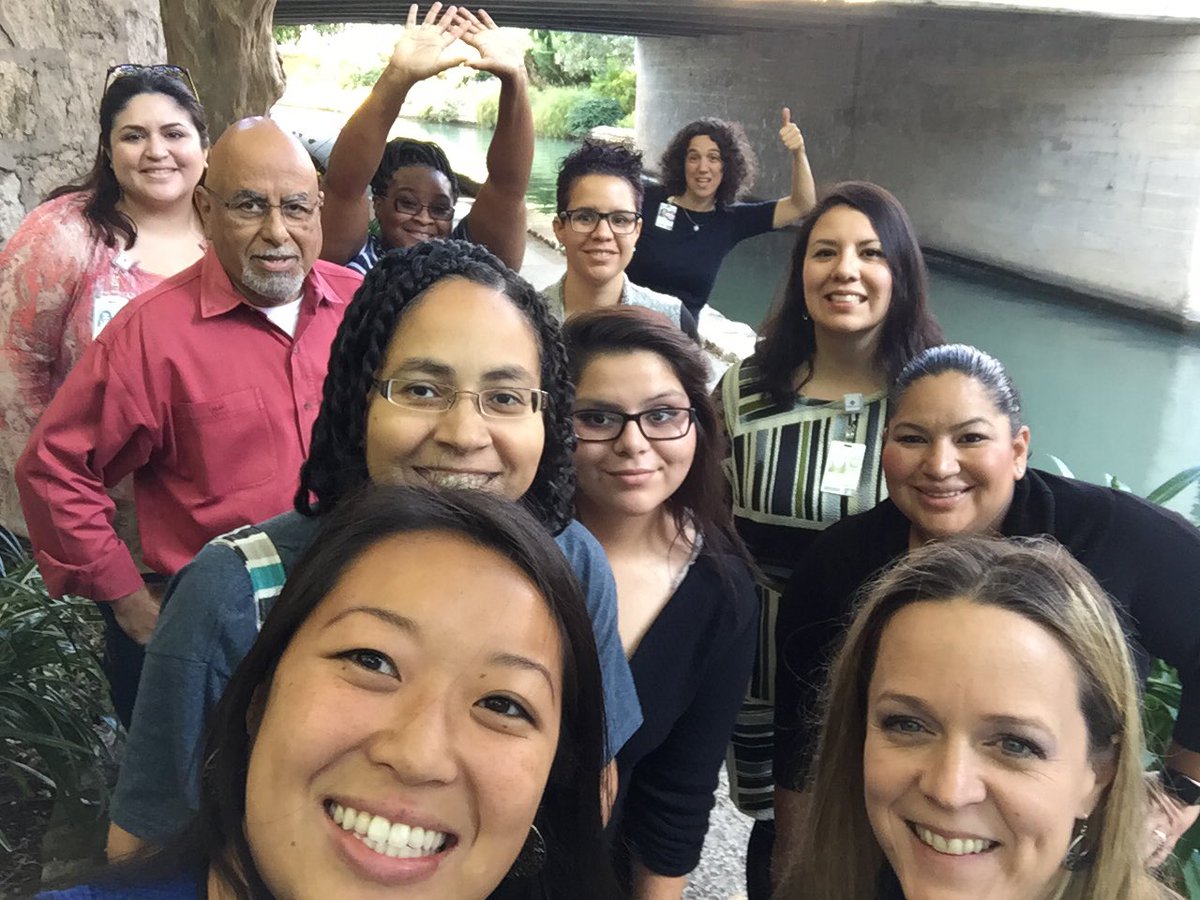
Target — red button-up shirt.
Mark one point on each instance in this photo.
(207, 402)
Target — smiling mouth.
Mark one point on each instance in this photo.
(951, 846)
(395, 839)
(845, 297)
(452, 478)
(942, 493)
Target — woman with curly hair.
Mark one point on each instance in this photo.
(447, 370)
(693, 220)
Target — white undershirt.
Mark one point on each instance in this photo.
(285, 315)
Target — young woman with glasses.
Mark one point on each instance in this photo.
(412, 186)
(648, 465)
(78, 258)
(598, 223)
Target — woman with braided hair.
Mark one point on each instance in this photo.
(447, 370)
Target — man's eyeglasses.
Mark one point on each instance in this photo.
(666, 423)
(585, 219)
(409, 205)
(493, 403)
(250, 207)
(123, 69)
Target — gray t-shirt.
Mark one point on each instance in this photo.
(208, 622)
(631, 295)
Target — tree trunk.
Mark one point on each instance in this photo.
(228, 48)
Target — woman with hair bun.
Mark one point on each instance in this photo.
(694, 220)
(978, 781)
(956, 461)
(447, 370)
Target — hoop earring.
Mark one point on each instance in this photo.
(1078, 851)
(531, 858)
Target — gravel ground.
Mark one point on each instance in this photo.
(721, 874)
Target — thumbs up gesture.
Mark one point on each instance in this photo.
(790, 133)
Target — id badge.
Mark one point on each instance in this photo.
(666, 216)
(843, 468)
(104, 308)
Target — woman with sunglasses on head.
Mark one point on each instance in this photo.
(648, 465)
(598, 223)
(446, 370)
(694, 219)
(78, 258)
(413, 188)
(420, 718)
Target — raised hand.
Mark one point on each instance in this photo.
(422, 49)
(790, 133)
(500, 53)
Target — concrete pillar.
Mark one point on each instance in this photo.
(53, 57)
(1064, 149)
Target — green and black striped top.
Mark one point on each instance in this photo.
(775, 465)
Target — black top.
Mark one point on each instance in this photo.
(691, 670)
(1147, 558)
(683, 260)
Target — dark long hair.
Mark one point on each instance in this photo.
(788, 339)
(739, 165)
(702, 499)
(101, 209)
(337, 465)
(402, 152)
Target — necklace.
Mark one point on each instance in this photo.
(680, 206)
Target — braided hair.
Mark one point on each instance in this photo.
(402, 152)
(337, 466)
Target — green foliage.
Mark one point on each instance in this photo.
(552, 110)
(290, 34)
(591, 112)
(562, 58)
(488, 112)
(52, 691)
(363, 77)
(444, 111)
(620, 85)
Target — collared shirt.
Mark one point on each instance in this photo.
(203, 399)
(631, 295)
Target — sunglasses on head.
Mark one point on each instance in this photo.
(121, 70)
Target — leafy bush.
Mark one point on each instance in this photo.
(552, 109)
(363, 77)
(488, 112)
(620, 85)
(52, 691)
(592, 112)
(443, 112)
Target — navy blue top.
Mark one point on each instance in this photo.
(208, 623)
(684, 260)
(691, 668)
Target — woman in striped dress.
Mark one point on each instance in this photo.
(804, 417)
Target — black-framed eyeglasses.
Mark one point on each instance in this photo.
(248, 206)
(585, 220)
(409, 205)
(123, 69)
(663, 423)
(492, 403)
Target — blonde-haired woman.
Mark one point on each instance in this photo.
(979, 782)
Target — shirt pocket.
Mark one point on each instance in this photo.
(226, 443)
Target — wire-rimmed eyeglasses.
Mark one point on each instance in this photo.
(250, 206)
(492, 403)
(585, 220)
(120, 70)
(663, 423)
